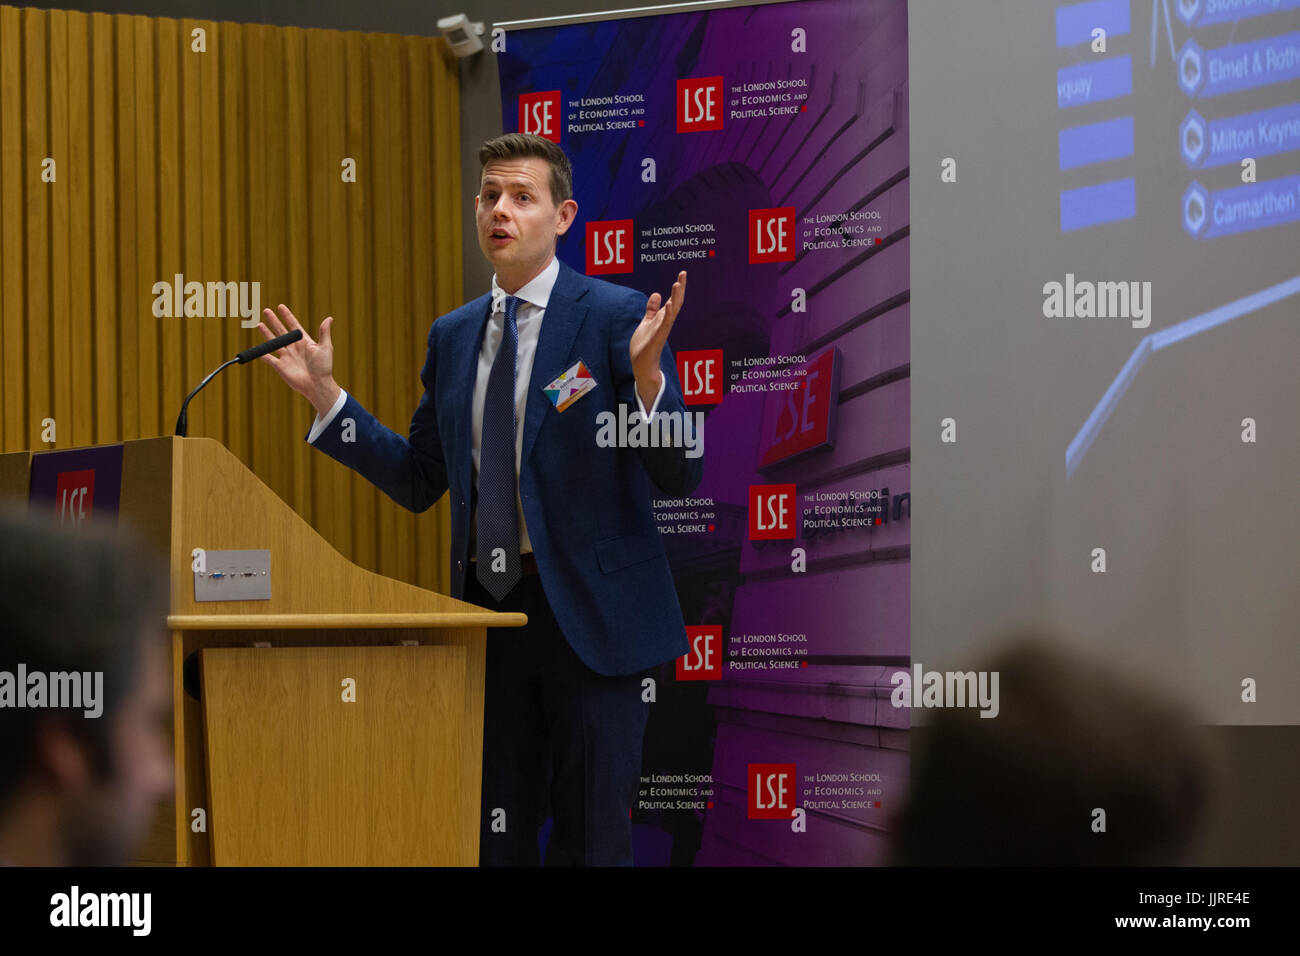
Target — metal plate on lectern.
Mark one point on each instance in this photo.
(234, 576)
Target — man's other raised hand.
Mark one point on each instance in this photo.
(648, 340)
(307, 366)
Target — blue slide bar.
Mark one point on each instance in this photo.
(1248, 66)
(1272, 202)
(1074, 24)
(1096, 142)
(1093, 82)
(1231, 139)
(1094, 205)
(1209, 12)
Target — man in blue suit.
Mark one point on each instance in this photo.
(545, 518)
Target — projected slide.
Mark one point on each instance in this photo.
(1119, 368)
(1240, 65)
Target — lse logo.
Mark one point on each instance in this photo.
(801, 420)
(539, 113)
(771, 234)
(771, 512)
(771, 790)
(609, 246)
(699, 104)
(701, 373)
(704, 660)
(74, 496)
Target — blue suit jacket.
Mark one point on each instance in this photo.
(601, 558)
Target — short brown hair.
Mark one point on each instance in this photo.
(521, 145)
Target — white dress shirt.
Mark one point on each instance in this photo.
(528, 319)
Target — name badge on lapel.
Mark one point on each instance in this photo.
(570, 386)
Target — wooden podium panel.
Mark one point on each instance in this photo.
(285, 772)
(297, 776)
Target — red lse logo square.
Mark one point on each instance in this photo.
(699, 104)
(704, 660)
(771, 234)
(771, 512)
(804, 417)
(609, 246)
(74, 495)
(539, 113)
(700, 371)
(770, 790)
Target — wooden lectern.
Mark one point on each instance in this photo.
(338, 723)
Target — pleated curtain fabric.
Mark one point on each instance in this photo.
(321, 165)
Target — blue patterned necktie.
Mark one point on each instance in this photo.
(498, 519)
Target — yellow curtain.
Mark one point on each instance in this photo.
(133, 149)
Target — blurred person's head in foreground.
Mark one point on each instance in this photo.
(80, 782)
(1071, 736)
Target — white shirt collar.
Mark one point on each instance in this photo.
(536, 291)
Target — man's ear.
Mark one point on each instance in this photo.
(568, 213)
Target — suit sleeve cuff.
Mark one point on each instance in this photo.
(320, 424)
(649, 416)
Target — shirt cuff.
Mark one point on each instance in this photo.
(320, 424)
(649, 416)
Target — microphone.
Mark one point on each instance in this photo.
(257, 351)
(270, 345)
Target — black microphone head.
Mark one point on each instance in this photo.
(270, 345)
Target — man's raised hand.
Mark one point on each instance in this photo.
(307, 366)
(648, 340)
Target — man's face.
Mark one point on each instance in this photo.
(108, 818)
(517, 219)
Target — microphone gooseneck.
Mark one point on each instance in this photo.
(257, 351)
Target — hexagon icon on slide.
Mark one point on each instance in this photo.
(1191, 139)
(1196, 202)
(1191, 70)
(1189, 10)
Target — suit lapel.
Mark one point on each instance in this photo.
(564, 315)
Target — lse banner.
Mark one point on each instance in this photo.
(764, 150)
(75, 485)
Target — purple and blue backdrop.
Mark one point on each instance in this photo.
(764, 150)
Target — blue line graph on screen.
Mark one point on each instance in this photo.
(1169, 29)
(1156, 341)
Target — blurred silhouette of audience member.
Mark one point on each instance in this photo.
(75, 789)
(1071, 736)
